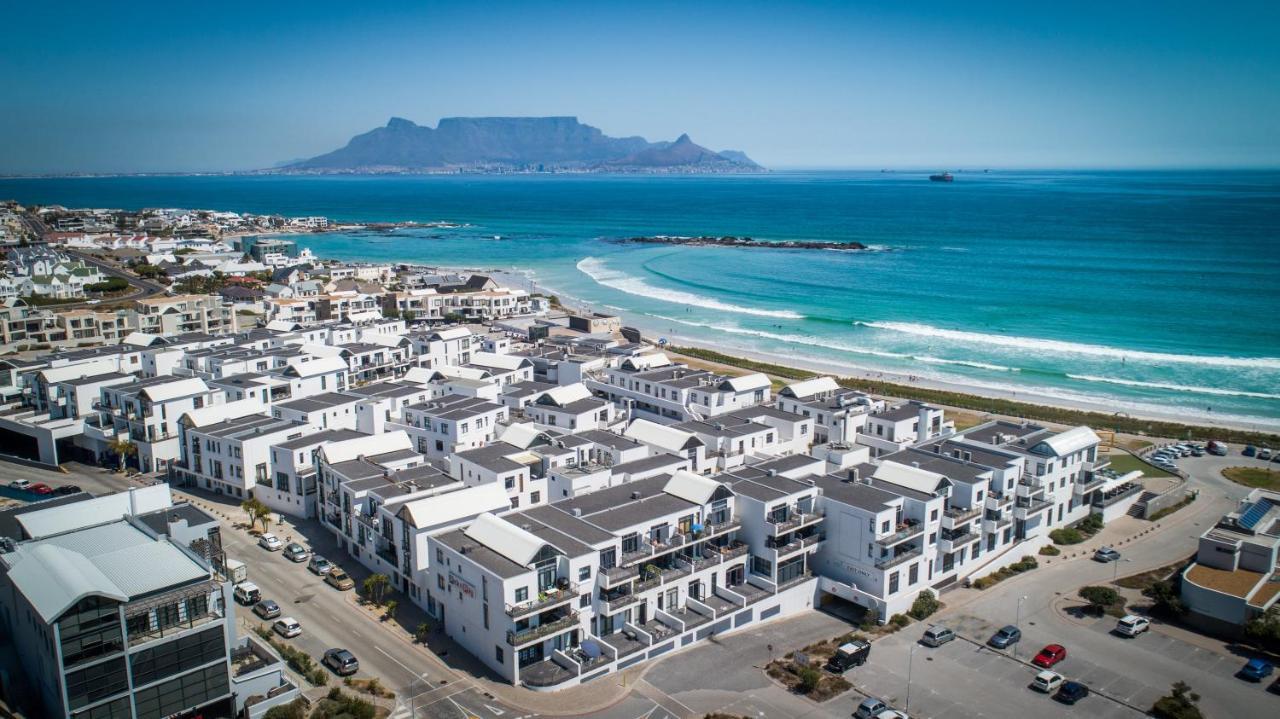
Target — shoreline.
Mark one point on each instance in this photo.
(651, 326)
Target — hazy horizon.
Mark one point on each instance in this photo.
(808, 86)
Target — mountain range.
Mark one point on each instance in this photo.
(503, 144)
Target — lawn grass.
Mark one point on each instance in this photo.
(1123, 463)
(1145, 580)
(1256, 477)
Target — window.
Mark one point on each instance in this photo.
(186, 691)
(893, 583)
(499, 655)
(99, 681)
(177, 656)
(584, 601)
(584, 574)
(522, 594)
(933, 516)
(534, 497)
(913, 574)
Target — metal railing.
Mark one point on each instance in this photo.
(524, 636)
(913, 527)
(1118, 494)
(544, 600)
(896, 559)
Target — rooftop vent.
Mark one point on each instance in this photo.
(772, 473)
(853, 474)
(577, 511)
(635, 495)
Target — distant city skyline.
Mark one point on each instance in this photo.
(146, 87)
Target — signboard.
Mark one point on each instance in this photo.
(461, 585)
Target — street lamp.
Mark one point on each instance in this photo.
(911, 655)
(1115, 574)
(1017, 622)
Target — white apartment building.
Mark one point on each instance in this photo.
(452, 423)
(147, 412)
(654, 388)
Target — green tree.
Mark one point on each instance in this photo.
(257, 511)
(924, 605)
(124, 449)
(375, 587)
(1165, 599)
(391, 609)
(296, 709)
(422, 631)
(1265, 627)
(1099, 598)
(1179, 704)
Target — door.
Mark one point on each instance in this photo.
(644, 613)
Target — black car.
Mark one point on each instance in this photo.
(1071, 692)
(67, 489)
(1007, 635)
(341, 661)
(267, 609)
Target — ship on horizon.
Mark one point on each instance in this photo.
(942, 177)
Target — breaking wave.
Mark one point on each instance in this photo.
(601, 274)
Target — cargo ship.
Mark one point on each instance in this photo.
(942, 177)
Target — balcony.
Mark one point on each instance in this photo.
(949, 542)
(894, 560)
(544, 600)
(1124, 491)
(614, 576)
(959, 515)
(1095, 481)
(795, 520)
(906, 530)
(1025, 507)
(525, 636)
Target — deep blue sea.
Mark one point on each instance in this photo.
(1145, 292)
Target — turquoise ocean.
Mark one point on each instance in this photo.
(1140, 292)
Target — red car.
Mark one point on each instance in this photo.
(1050, 655)
(40, 488)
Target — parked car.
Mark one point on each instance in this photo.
(1007, 636)
(319, 565)
(937, 635)
(869, 708)
(1255, 670)
(1071, 692)
(67, 489)
(270, 542)
(1047, 682)
(295, 552)
(1197, 452)
(848, 655)
(342, 662)
(267, 609)
(1218, 449)
(20, 484)
(892, 714)
(287, 627)
(247, 593)
(1264, 454)
(339, 580)
(40, 488)
(1249, 450)
(1131, 625)
(1050, 655)
(1106, 554)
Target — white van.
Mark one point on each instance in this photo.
(247, 593)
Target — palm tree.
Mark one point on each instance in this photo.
(122, 448)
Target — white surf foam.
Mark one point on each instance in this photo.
(598, 271)
(1071, 348)
(1175, 387)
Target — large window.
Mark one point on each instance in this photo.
(118, 709)
(177, 656)
(88, 685)
(185, 692)
(89, 631)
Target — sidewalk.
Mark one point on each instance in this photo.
(444, 659)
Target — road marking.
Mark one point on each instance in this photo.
(401, 664)
(494, 710)
(465, 713)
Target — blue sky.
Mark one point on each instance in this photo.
(142, 86)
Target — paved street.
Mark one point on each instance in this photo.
(725, 675)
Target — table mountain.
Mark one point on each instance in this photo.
(514, 143)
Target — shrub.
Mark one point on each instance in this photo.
(1066, 535)
(1091, 524)
(1049, 550)
(296, 709)
(1265, 628)
(809, 678)
(1179, 704)
(899, 621)
(1099, 598)
(870, 620)
(1165, 599)
(924, 605)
